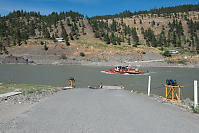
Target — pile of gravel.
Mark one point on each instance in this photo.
(28, 97)
(186, 104)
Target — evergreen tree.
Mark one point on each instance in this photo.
(67, 43)
(135, 36)
(64, 34)
(83, 32)
(18, 37)
(14, 43)
(174, 39)
(134, 21)
(114, 26)
(129, 41)
(1, 46)
(142, 30)
(71, 36)
(153, 23)
(197, 45)
(140, 21)
(45, 47)
(106, 39)
(25, 42)
(53, 37)
(113, 39)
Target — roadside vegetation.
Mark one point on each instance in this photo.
(196, 110)
(184, 62)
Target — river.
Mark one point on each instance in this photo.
(91, 75)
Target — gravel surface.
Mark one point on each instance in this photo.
(28, 96)
(14, 105)
(101, 111)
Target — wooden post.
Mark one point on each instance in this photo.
(149, 85)
(195, 94)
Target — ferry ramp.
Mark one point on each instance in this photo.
(102, 111)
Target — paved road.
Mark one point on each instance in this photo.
(102, 111)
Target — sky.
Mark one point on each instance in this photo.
(87, 7)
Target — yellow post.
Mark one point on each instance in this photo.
(71, 83)
(166, 91)
(172, 93)
(179, 92)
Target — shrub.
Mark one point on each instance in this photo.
(182, 62)
(143, 52)
(30, 91)
(161, 49)
(42, 43)
(196, 110)
(63, 56)
(67, 43)
(170, 61)
(45, 47)
(25, 42)
(135, 45)
(166, 54)
(82, 54)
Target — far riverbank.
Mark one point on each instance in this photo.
(54, 60)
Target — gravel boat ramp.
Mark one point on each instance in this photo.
(101, 111)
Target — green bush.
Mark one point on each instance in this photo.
(30, 91)
(166, 54)
(25, 42)
(45, 47)
(42, 43)
(135, 45)
(82, 54)
(182, 62)
(67, 43)
(143, 52)
(196, 110)
(161, 49)
(170, 61)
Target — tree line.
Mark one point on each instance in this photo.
(18, 26)
(165, 11)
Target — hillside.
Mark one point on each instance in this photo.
(125, 36)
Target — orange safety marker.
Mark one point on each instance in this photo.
(174, 93)
(71, 82)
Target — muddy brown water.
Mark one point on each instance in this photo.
(91, 76)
